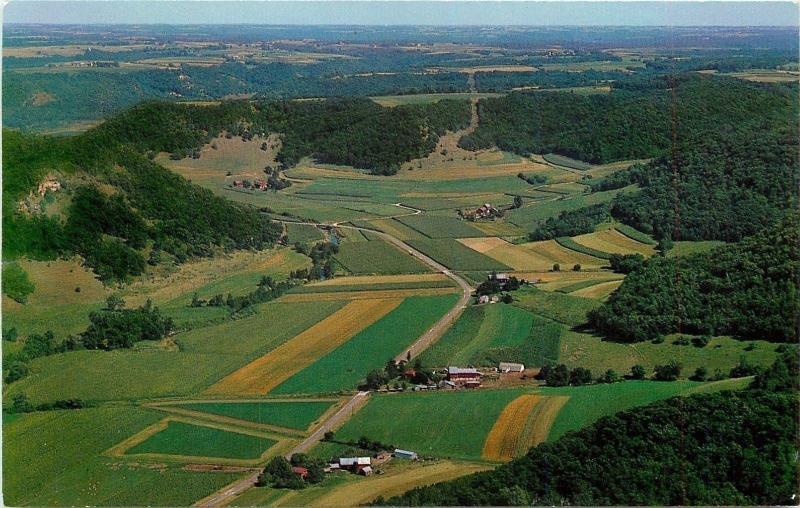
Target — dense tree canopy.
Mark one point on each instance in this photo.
(748, 290)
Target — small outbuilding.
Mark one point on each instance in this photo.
(365, 471)
(405, 454)
(510, 367)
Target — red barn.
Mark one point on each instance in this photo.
(300, 471)
(467, 377)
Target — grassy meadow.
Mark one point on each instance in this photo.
(294, 415)
(457, 423)
(185, 439)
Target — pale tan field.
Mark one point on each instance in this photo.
(394, 482)
(380, 279)
(599, 291)
(551, 251)
(244, 159)
(56, 281)
(267, 372)
(509, 254)
(366, 295)
(194, 275)
(395, 229)
(541, 256)
(614, 242)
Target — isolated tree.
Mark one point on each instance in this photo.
(517, 201)
(556, 267)
(637, 372)
(114, 302)
(668, 372)
(576, 267)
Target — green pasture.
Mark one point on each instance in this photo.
(687, 248)
(376, 257)
(443, 424)
(69, 469)
(488, 334)
(294, 415)
(719, 356)
(456, 256)
(587, 404)
(303, 233)
(434, 226)
(205, 356)
(561, 160)
(566, 309)
(382, 286)
(195, 440)
(529, 217)
(345, 366)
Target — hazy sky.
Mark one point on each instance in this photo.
(654, 13)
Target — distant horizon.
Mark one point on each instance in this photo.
(634, 14)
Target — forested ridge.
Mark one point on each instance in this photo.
(728, 448)
(145, 210)
(748, 290)
(152, 211)
(350, 131)
(625, 124)
(732, 171)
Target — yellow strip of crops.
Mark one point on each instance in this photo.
(366, 295)
(555, 253)
(524, 423)
(393, 484)
(540, 420)
(614, 242)
(598, 291)
(512, 255)
(262, 375)
(503, 440)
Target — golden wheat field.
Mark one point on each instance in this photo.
(267, 372)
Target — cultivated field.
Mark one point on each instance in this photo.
(184, 439)
(376, 257)
(396, 481)
(614, 242)
(69, 469)
(523, 424)
(458, 422)
(291, 414)
(343, 367)
(434, 226)
(427, 98)
(264, 374)
(456, 256)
